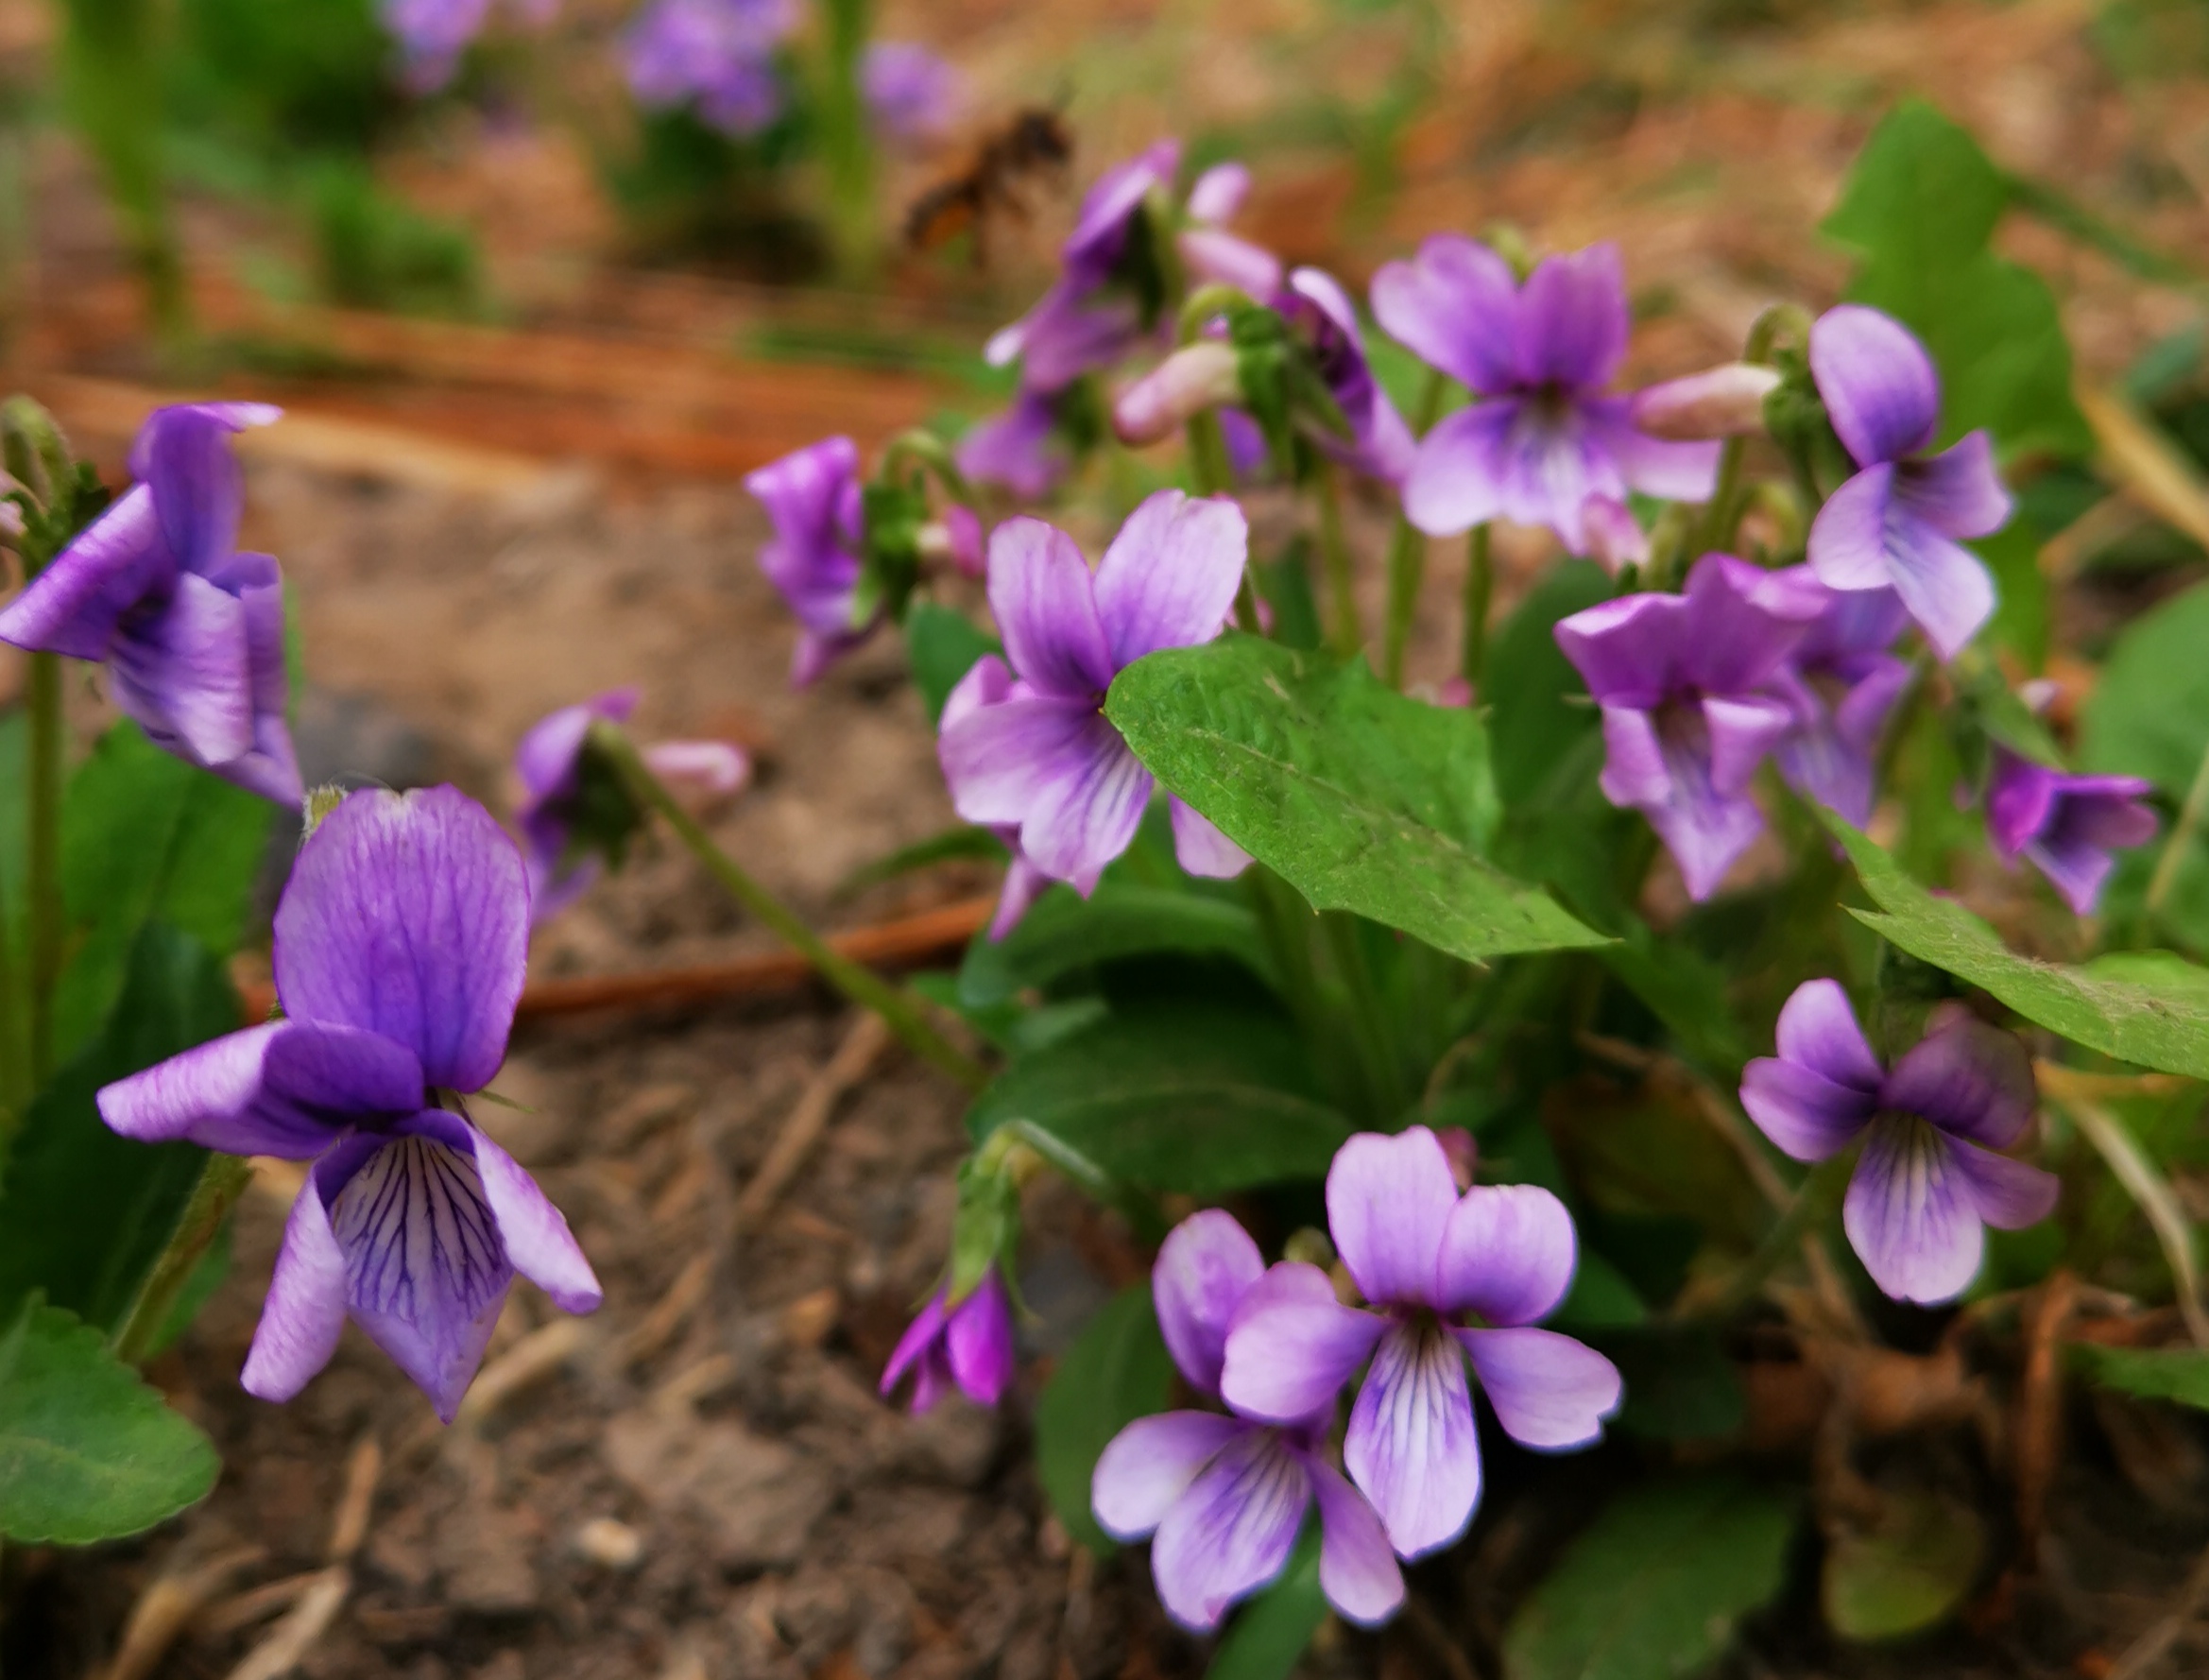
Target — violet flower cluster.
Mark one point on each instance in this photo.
(1448, 1278)
(1028, 749)
(399, 947)
(1931, 1177)
(1222, 1497)
(1543, 441)
(190, 631)
(566, 836)
(1101, 308)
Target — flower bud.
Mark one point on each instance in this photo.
(1219, 194)
(1225, 259)
(708, 767)
(1193, 379)
(1724, 401)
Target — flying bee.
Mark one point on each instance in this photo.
(1036, 142)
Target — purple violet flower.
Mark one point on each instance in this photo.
(1544, 437)
(989, 681)
(400, 943)
(549, 765)
(1681, 680)
(914, 93)
(1025, 449)
(1897, 521)
(968, 1345)
(813, 498)
(433, 34)
(1083, 323)
(191, 631)
(1928, 1178)
(1842, 684)
(1426, 1259)
(1044, 756)
(1208, 250)
(2067, 825)
(1227, 1497)
(1379, 445)
(718, 55)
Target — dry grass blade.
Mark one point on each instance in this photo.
(363, 1470)
(530, 1360)
(291, 1639)
(2040, 1406)
(2152, 468)
(862, 1044)
(672, 1312)
(2145, 1183)
(170, 1604)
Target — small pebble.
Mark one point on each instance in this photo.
(807, 1320)
(613, 1545)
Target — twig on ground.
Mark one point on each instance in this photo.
(672, 1312)
(363, 1470)
(866, 1039)
(170, 1604)
(257, 1603)
(294, 1637)
(530, 1360)
(2149, 1648)
(908, 942)
(2040, 1407)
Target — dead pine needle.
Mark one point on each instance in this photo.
(865, 1041)
(290, 1639)
(171, 1603)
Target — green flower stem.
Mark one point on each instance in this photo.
(1724, 510)
(924, 449)
(901, 1012)
(1479, 586)
(845, 141)
(1815, 1202)
(14, 1069)
(222, 1180)
(1407, 555)
(1349, 633)
(2173, 854)
(44, 873)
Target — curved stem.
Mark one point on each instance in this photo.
(1814, 1202)
(928, 452)
(1349, 634)
(222, 1180)
(43, 857)
(900, 1011)
(1407, 552)
(1479, 585)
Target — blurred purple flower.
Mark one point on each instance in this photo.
(1615, 537)
(913, 94)
(400, 942)
(1044, 756)
(718, 55)
(191, 631)
(968, 1343)
(433, 34)
(1929, 1179)
(1026, 450)
(814, 561)
(1840, 684)
(1425, 1258)
(1545, 438)
(1208, 250)
(1082, 322)
(1379, 445)
(556, 850)
(1227, 1497)
(2067, 825)
(1896, 522)
(1681, 680)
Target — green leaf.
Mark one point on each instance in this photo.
(2021, 593)
(1906, 1571)
(2180, 1374)
(1117, 1371)
(1065, 932)
(1359, 797)
(2164, 1026)
(84, 1211)
(1269, 1632)
(1680, 1385)
(1200, 1100)
(87, 1450)
(942, 644)
(1920, 205)
(2148, 714)
(145, 835)
(1540, 710)
(1651, 1590)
